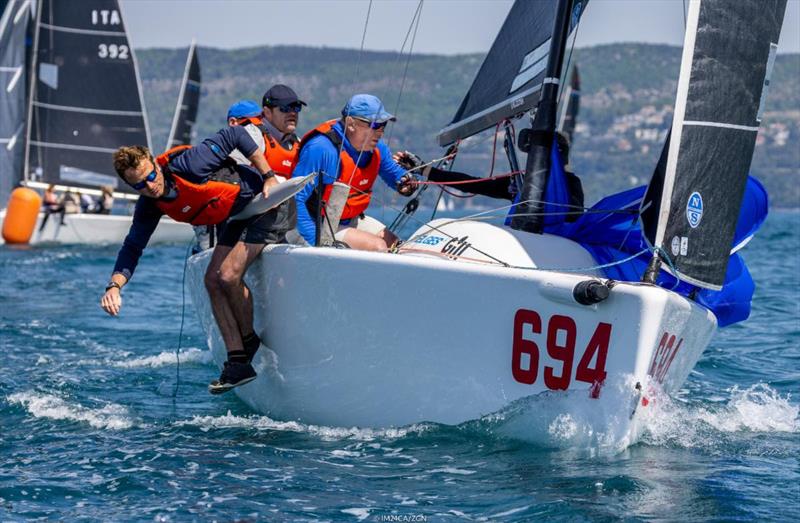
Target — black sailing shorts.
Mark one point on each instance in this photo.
(267, 228)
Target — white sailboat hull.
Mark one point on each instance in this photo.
(102, 229)
(378, 340)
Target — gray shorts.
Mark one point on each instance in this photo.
(267, 228)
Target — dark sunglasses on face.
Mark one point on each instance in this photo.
(138, 186)
(291, 108)
(372, 125)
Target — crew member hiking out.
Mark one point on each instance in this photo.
(202, 186)
(363, 158)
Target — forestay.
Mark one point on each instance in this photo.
(691, 208)
(13, 28)
(510, 79)
(188, 102)
(86, 96)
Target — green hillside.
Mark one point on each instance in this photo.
(626, 104)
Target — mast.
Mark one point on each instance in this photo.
(541, 134)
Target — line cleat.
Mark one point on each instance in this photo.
(233, 375)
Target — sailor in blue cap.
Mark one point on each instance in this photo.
(350, 150)
(247, 114)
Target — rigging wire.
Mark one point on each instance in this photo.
(569, 61)
(415, 25)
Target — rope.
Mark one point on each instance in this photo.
(183, 317)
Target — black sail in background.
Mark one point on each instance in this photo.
(572, 101)
(727, 60)
(188, 102)
(510, 78)
(86, 96)
(13, 73)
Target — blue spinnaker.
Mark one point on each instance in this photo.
(611, 232)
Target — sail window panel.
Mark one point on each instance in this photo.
(82, 60)
(48, 163)
(491, 97)
(730, 60)
(713, 163)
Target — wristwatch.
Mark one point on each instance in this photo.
(113, 284)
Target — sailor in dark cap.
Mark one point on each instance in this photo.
(281, 114)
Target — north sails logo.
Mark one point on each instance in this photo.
(694, 209)
(186, 209)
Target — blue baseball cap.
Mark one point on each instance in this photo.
(368, 107)
(244, 109)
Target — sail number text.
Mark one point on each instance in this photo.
(113, 51)
(558, 337)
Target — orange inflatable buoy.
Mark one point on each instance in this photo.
(21, 214)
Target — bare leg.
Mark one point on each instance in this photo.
(231, 300)
(365, 241)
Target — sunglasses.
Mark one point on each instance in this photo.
(372, 125)
(291, 108)
(138, 186)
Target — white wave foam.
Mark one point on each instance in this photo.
(39, 405)
(758, 408)
(192, 355)
(572, 420)
(256, 422)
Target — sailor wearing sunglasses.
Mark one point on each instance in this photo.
(350, 150)
(202, 186)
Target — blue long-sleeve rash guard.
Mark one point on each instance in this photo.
(321, 155)
(195, 165)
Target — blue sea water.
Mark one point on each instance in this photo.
(90, 429)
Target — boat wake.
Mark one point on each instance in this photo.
(191, 355)
(260, 423)
(756, 410)
(42, 405)
(598, 426)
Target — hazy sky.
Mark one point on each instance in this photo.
(447, 26)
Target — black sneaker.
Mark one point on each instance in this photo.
(233, 375)
(251, 346)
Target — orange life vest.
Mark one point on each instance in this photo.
(360, 179)
(207, 203)
(280, 159)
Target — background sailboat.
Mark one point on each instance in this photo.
(13, 79)
(84, 102)
(188, 102)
